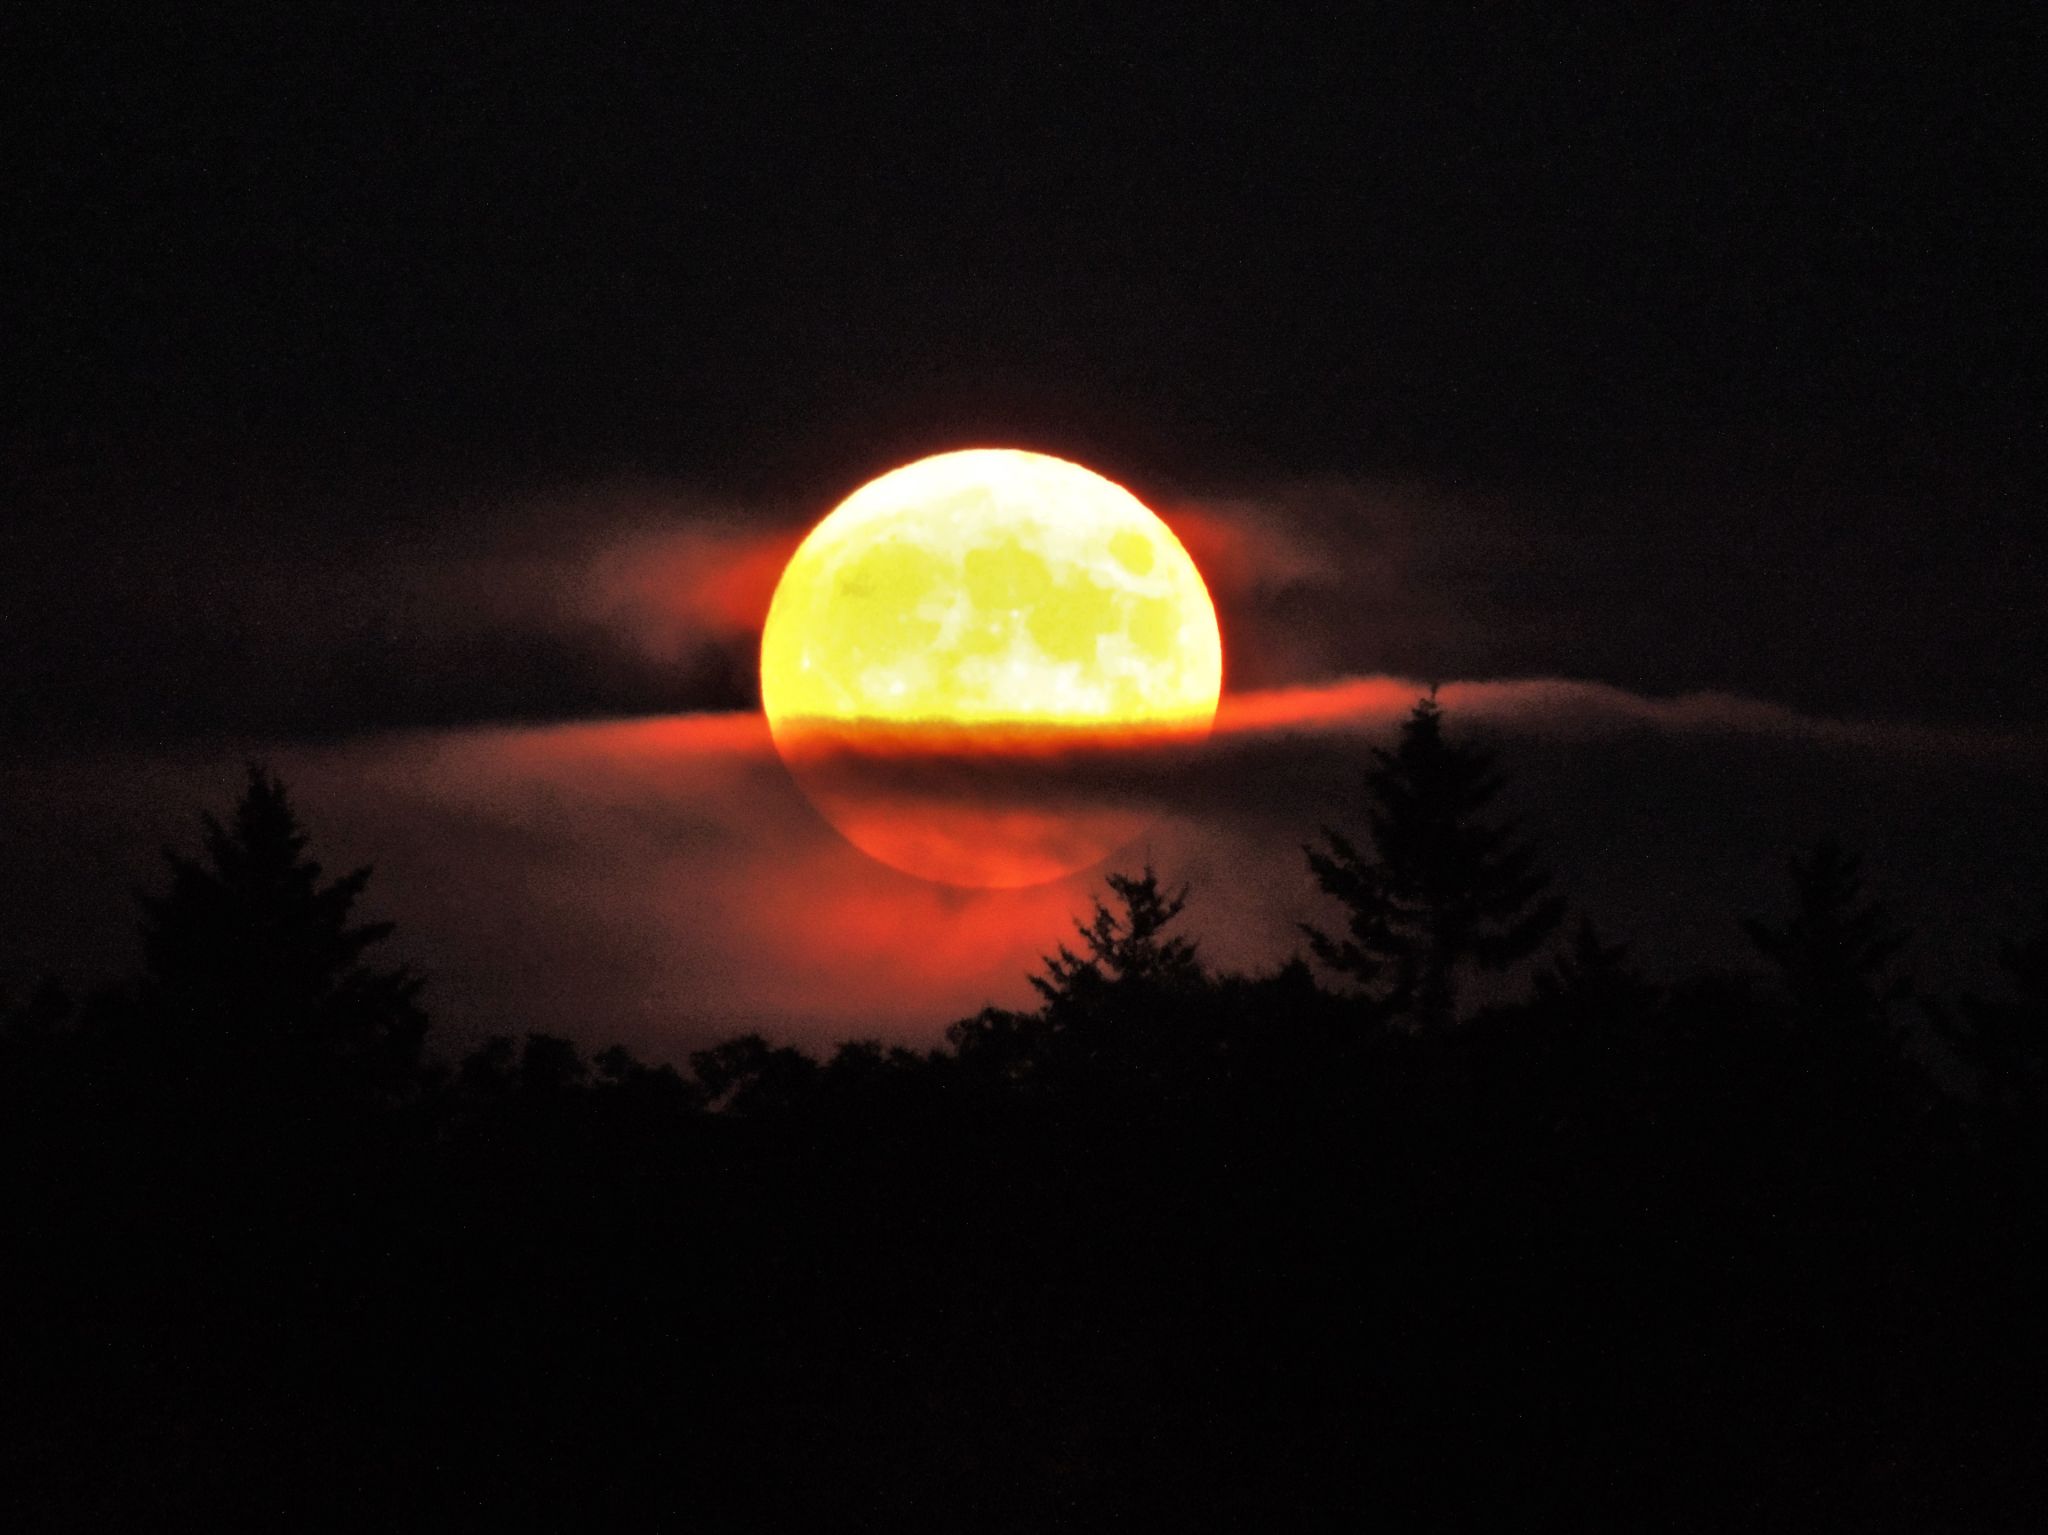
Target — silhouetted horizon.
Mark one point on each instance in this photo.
(1175, 1242)
(666, 853)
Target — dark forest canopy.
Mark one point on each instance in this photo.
(1174, 1248)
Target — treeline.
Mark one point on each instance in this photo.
(1458, 1221)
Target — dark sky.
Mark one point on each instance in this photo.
(1733, 321)
(370, 384)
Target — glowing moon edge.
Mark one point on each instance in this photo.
(1006, 608)
(991, 586)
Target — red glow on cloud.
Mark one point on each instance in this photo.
(695, 581)
(671, 867)
(651, 743)
(667, 877)
(1349, 703)
(1241, 555)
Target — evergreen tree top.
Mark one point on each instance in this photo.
(1126, 947)
(1439, 890)
(252, 947)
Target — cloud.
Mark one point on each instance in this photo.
(1560, 707)
(639, 868)
(639, 597)
(673, 585)
(649, 567)
(1730, 589)
(664, 881)
(664, 876)
(635, 599)
(1319, 580)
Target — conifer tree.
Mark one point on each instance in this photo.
(1837, 961)
(1594, 979)
(1129, 1005)
(1440, 892)
(1125, 949)
(2006, 1038)
(1835, 954)
(1125, 996)
(254, 962)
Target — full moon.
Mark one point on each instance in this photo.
(991, 605)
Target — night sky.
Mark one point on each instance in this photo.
(426, 407)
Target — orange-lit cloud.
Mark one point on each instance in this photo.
(644, 565)
(1560, 706)
(670, 585)
(664, 882)
(671, 869)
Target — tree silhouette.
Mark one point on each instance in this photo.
(1836, 959)
(1442, 891)
(254, 961)
(748, 1075)
(1133, 1250)
(1835, 954)
(1593, 978)
(1126, 997)
(2006, 1039)
(1573, 1056)
(1125, 949)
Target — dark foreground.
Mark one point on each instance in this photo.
(1173, 1252)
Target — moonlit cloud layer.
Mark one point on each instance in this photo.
(637, 864)
(662, 881)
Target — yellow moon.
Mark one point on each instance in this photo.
(993, 602)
